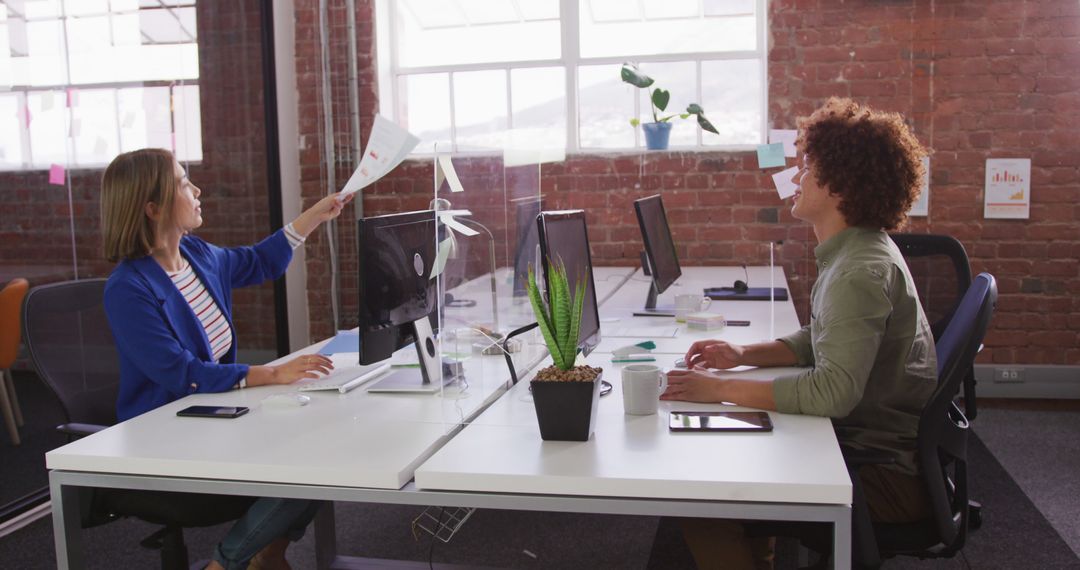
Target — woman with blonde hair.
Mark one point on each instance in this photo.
(169, 305)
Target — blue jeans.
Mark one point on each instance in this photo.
(267, 520)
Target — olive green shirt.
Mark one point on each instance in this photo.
(870, 346)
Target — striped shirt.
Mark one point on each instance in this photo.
(213, 320)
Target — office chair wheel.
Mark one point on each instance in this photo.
(975, 519)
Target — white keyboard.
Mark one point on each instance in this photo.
(345, 378)
(640, 332)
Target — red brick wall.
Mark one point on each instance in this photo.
(976, 79)
(36, 221)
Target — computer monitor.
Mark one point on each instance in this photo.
(525, 254)
(660, 257)
(398, 295)
(563, 237)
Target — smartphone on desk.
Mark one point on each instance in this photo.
(212, 411)
(719, 421)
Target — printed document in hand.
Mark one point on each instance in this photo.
(387, 146)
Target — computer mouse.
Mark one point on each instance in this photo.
(740, 286)
(286, 400)
(680, 363)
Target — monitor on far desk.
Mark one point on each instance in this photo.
(660, 261)
(398, 297)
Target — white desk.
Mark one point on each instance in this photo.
(366, 447)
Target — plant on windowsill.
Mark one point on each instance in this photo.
(658, 131)
(565, 396)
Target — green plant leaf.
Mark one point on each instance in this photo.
(575, 320)
(635, 122)
(706, 125)
(684, 115)
(561, 316)
(541, 314)
(631, 75)
(695, 109)
(660, 98)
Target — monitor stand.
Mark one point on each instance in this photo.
(651, 310)
(423, 379)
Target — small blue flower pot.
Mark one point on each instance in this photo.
(657, 135)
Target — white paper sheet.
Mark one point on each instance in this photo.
(444, 168)
(784, 186)
(921, 207)
(440, 258)
(457, 226)
(388, 144)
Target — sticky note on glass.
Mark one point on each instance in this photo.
(785, 137)
(56, 175)
(444, 168)
(440, 258)
(770, 155)
(784, 186)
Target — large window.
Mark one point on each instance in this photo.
(460, 73)
(83, 80)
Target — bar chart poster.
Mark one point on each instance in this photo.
(1008, 188)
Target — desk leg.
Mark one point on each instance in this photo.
(325, 537)
(842, 540)
(67, 526)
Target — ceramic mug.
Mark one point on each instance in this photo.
(687, 303)
(642, 385)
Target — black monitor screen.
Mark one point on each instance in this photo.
(659, 247)
(563, 237)
(525, 255)
(396, 256)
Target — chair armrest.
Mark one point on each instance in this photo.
(79, 430)
(855, 458)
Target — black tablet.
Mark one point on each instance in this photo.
(719, 421)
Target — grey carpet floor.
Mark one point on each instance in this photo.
(1040, 449)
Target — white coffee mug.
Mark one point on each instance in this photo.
(687, 303)
(642, 385)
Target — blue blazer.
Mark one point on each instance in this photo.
(164, 352)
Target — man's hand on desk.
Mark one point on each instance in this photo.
(695, 385)
(701, 385)
(714, 354)
(307, 366)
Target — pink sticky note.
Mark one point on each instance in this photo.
(56, 175)
(72, 97)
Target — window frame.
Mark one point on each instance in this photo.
(388, 73)
(23, 92)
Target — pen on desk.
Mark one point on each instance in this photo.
(738, 323)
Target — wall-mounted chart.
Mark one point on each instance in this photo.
(1008, 188)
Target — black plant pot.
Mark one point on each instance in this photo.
(566, 411)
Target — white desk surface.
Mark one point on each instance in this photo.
(355, 439)
(636, 456)
(619, 309)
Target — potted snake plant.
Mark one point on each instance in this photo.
(565, 396)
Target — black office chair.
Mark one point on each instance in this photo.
(941, 449)
(71, 346)
(941, 271)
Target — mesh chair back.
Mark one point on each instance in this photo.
(942, 444)
(941, 271)
(71, 345)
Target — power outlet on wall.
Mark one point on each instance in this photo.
(1008, 374)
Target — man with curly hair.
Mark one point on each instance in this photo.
(869, 349)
